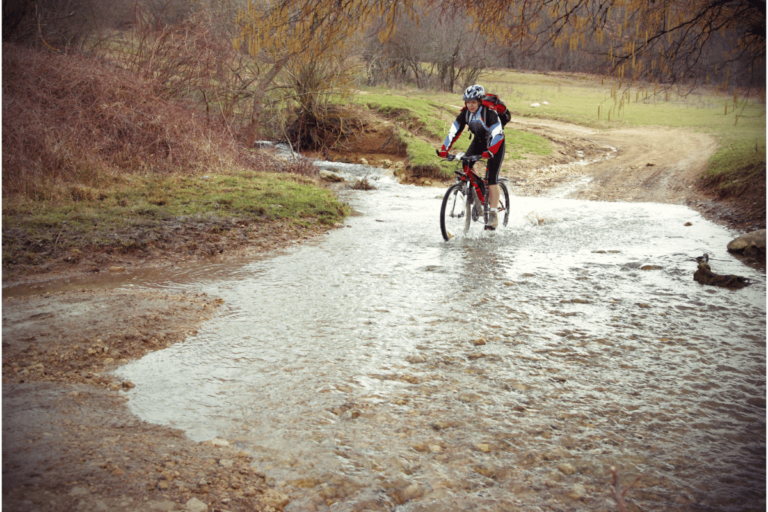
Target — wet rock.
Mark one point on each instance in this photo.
(386, 163)
(416, 359)
(330, 176)
(704, 275)
(487, 470)
(159, 506)
(274, 499)
(650, 267)
(749, 245)
(557, 453)
(483, 447)
(436, 448)
(195, 505)
(364, 161)
(420, 447)
(412, 492)
(219, 442)
(566, 468)
(577, 492)
(479, 341)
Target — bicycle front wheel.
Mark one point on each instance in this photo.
(454, 219)
(503, 204)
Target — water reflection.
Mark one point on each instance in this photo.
(384, 368)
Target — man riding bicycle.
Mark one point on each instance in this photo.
(484, 123)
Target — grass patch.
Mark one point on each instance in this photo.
(736, 167)
(141, 212)
(424, 120)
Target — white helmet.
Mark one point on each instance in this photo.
(474, 92)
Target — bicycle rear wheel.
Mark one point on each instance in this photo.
(454, 217)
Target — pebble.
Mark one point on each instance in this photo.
(219, 442)
(485, 470)
(566, 468)
(412, 492)
(478, 342)
(274, 499)
(577, 492)
(195, 505)
(483, 447)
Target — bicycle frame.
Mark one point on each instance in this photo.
(474, 180)
(468, 175)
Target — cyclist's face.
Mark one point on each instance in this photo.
(473, 105)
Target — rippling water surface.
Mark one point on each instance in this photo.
(381, 368)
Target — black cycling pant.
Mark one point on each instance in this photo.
(494, 164)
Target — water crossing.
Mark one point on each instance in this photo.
(381, 368)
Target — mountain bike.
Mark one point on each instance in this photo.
(466, 201)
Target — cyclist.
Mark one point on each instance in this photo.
(484, 123)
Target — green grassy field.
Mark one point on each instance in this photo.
(580, 99)
(576, 98)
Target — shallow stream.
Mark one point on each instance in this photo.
(381, 368)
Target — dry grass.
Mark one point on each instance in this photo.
(71, 119)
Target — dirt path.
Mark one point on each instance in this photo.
(649, 164)
(642, 164)
(70, 443)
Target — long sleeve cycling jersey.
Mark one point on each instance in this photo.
(484, 123)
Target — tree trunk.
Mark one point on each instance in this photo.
(258, 100)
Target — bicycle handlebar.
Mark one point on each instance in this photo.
(462, 156)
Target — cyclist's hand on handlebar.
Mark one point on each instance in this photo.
(442, 152)
(487, 155)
